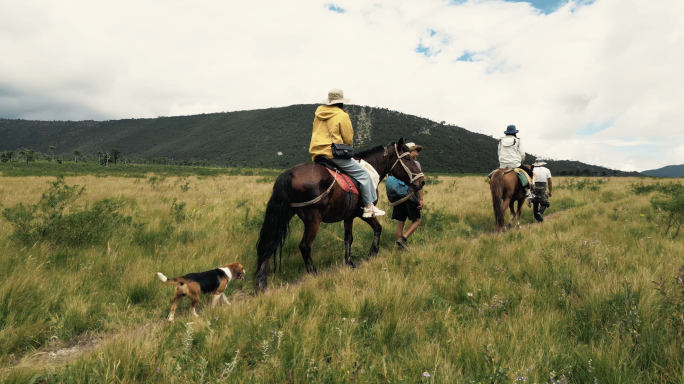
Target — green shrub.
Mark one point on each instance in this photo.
(669, 209)
(178, 211)
(673, 307)
(643, 189)
(46, 220)
(579, 185)
(152, 239)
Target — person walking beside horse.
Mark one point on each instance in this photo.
(409, 209)
(332, 125)
(505, 184)
(542, 179)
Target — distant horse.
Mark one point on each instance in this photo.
(506, 189)
(318, 198)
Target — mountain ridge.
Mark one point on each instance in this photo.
(666, 171)
(270, 138)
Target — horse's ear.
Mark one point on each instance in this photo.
(400, 143)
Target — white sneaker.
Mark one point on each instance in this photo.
(371, 212)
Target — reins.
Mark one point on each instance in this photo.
(411, 175)
(316, 200)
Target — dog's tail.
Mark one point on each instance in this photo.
(165, 279)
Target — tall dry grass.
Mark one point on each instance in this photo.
(570, 300)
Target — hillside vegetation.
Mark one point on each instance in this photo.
(255, 138)
(571, 300)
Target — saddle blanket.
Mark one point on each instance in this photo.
(522, 175)
(345, 182)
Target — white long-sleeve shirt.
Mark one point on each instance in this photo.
(511, 154)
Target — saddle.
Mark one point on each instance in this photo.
(348, 184)
(525, 179)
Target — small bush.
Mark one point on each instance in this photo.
(156, 181)
(669, 209)
(152, 239)
(643, 189)
(674, 303)
(579, 185)
(178, 211)
(46, 220)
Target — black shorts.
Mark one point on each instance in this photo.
(408, 209)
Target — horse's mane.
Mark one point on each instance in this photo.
(369, 151)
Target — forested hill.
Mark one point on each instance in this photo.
(271, 138)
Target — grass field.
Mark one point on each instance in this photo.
(570, 300)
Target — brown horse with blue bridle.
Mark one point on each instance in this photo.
(312, 193)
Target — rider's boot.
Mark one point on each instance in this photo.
(372, 211)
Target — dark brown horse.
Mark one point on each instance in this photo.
(306, 182)
(506, 189)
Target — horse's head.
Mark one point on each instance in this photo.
(402, 166)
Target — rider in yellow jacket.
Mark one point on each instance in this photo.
(332, 124)
(337, 120)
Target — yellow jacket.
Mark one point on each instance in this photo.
(340, 128)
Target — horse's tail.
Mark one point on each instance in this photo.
(496, 186)
(276, 226)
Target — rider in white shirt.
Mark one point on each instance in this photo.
(511, 154)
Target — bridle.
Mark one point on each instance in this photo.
(412, 176)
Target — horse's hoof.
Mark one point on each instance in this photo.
(351, 265)
(509, 226)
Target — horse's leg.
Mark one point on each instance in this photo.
(348, 239)
(520, 207)
(310, 233)
(377, 230)
(508, 204)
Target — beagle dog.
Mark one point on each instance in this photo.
(213, 282)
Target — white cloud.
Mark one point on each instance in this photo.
(551, 75)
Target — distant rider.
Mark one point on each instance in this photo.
(511, 154)
(334, 118)
(542, 180)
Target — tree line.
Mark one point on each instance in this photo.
(26, 155)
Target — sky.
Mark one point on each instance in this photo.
(600, 81)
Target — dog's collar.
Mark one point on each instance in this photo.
(227, 272)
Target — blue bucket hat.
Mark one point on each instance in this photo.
(510, 130)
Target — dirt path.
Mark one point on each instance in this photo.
(58, 353)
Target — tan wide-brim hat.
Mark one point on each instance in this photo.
(539, 163)
(335, 96)
(414, 147)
